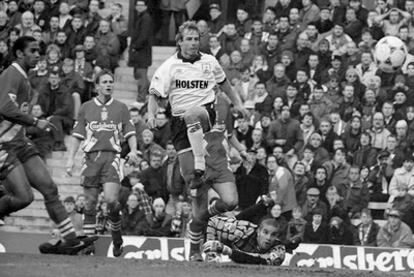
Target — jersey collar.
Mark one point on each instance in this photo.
(185, 60)
(20, 69)
(99, 103)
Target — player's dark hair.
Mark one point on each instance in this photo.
(102, 73)
(21, 43)
(270, 221)
(134, 109)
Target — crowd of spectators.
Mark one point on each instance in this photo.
(329, 132)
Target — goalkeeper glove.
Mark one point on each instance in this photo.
(217, 247)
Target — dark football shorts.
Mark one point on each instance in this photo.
(179, 129)
(101, 167)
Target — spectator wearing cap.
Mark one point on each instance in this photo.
(395, 233)
(140, 52)
(160, 224)
(324, 23)
(404, 203)
(285, 131)
(107, 44)
(76, 32)
(243, 22)
(75, 217)
(252, 180)
(312, 203)
(58, 103)
(338, 39)
(217, 21)
(403, 177)
(316, 230)
(366, 231)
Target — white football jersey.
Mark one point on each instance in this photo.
(187, 84)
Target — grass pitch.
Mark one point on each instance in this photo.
(32, 265)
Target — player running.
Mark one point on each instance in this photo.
(22, 166)
(187, 79)
(102, 122)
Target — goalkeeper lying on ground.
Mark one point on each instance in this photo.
(245, 242)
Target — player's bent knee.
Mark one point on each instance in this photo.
(196, 115)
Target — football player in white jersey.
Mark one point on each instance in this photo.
(187, 79)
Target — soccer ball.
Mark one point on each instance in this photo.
(390, 54)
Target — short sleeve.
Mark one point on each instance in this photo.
(218, 72)
(160, 83)
(79, 130)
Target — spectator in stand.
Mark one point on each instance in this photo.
(160, 225)
(252, 180)
(365, 154)
(313, 202)
(181, 219)
(395, 233)
(204, 35)
(73, 83)
(281, 185)
(366, 231)
(27, 25)
(355, 193)
(64, 16)
(396, 19)
(230, 40)
(286, 132)
(262, 99)
(138, 209)
(60, 111)
(140, 55)
(64, 48)
(93, 19)
(309, 13)
(148, 145)
(107, 44)
(337, 168)
(139, 124)
(80, 203)
(42, 139)
(91, 52)
(85, 70)
(76, 32)
(39, 76)
(339, 232)
(40, 14)
(153, 178)
(316, 230)
(75, 217)
(173, 180)
(403, 202)
(296, 226)
(118, 21)
(49, 35)
(215, 48)
(243, 22)
(162, 133)
(13, 13)
(403, 177)
(216, 22)
(175, 9)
